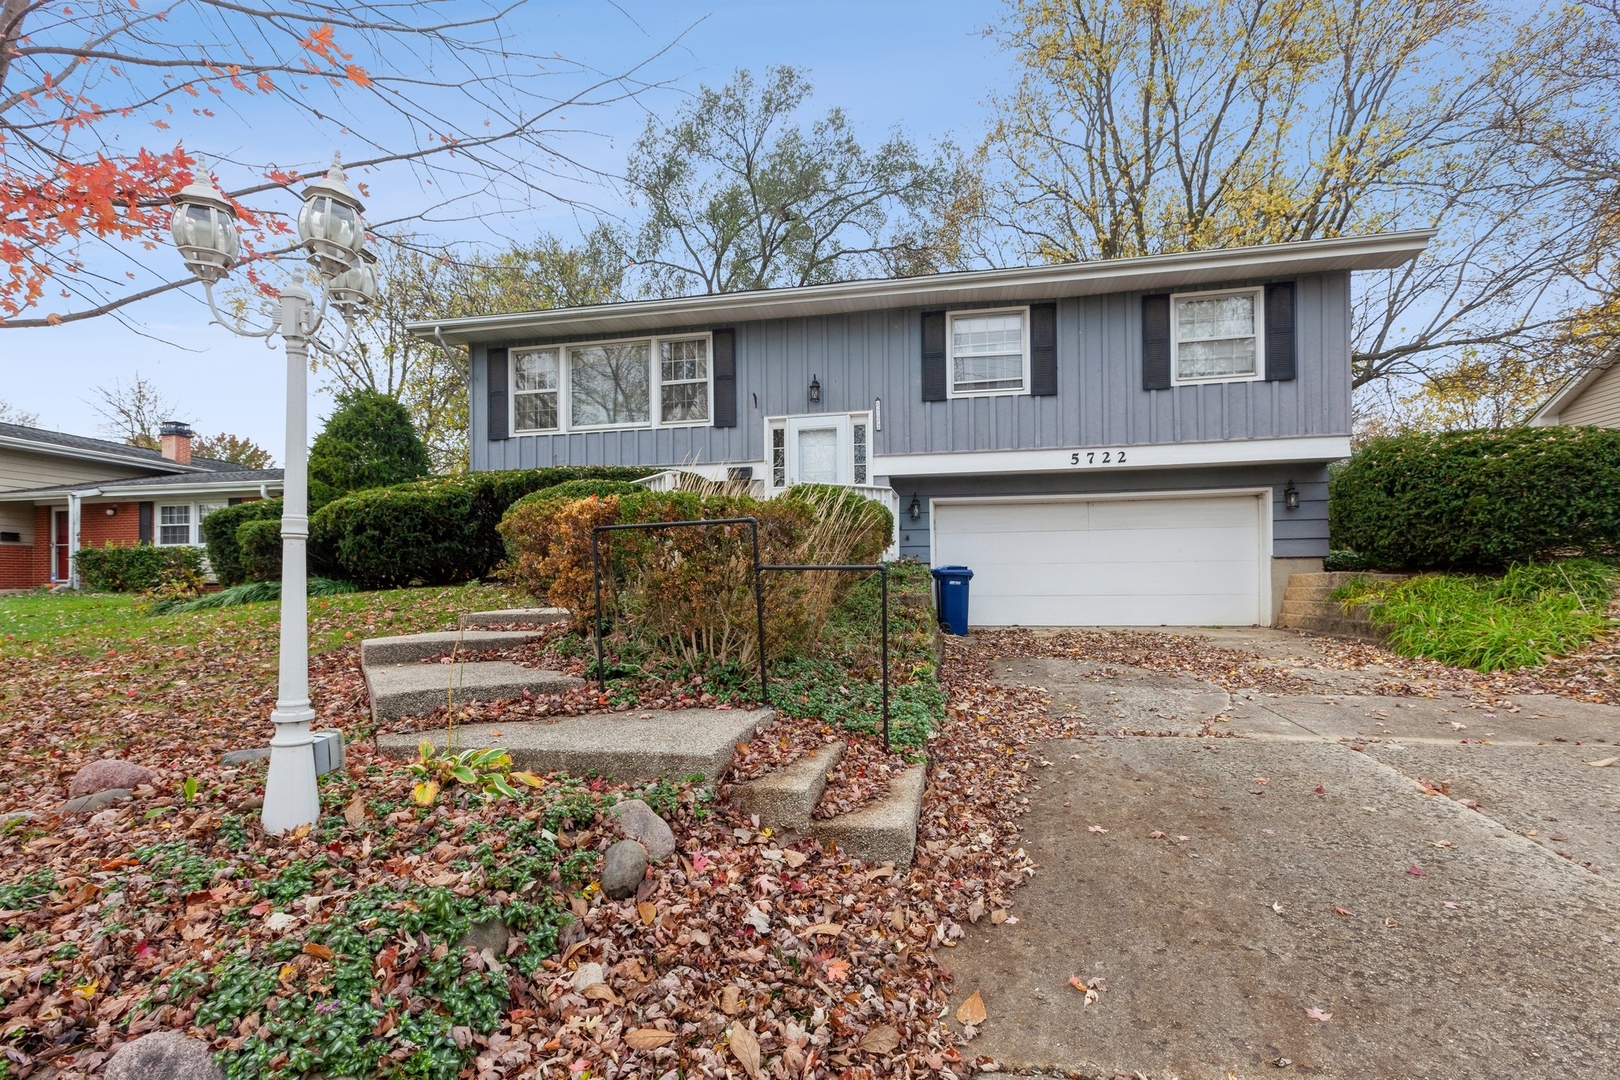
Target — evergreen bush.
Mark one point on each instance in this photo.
(135, 567)
(367, 442)
(219, 531)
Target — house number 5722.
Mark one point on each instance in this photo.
(1097, 457)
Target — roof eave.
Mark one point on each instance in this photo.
(162, 465)
(1376, 252)
(110, 490)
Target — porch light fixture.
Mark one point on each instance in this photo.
(815, 390)
(332, 234)
(915, 509)
(1291, 497)
(111, 510)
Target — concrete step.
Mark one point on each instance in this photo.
(1333, 626)
(674, 744)
(1332, 579)
(417, 689)
(410, 648)
(785, 798)
(1307, 592)
(523, 616)
(1330, 608)
(885, 831)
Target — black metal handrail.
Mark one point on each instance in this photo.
(760, 569)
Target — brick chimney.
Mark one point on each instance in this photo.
(176, 437)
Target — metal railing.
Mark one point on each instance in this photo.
(760, 569)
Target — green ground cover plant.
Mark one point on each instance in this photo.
(1533, 613)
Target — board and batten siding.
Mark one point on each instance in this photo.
(1295, 534)
(1598, 405)
(21, 470)
(862, 357)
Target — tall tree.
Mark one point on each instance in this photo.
(105, 104)
(367, 442)
(234, 449)
(1145, 126)
(11, 414)
(738, 193)
(430, 380)
(133, 413)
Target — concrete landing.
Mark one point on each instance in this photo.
(411, 648)
(785, 798)
(523, 616)
(673, 744)
(417, 689)
(884, 832)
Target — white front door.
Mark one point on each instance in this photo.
(818, 450)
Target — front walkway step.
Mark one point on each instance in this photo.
(885, 831)
(522, 616)
(409, 648)
(785, 798)
(673, 744)
(417, 689)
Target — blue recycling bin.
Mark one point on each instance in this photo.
(951, 597)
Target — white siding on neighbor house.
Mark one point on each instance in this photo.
(1598, 404)
(21, 470)
(18, 518)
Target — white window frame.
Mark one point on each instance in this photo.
(1259, 294)
(565, 363)
(951, 392)
(195, 514)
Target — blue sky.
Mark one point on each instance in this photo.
(920, 64)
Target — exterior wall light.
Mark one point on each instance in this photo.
(815, 390)
(111, 510)
(915, 509)
(1291, 497)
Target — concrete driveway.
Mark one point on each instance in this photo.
(1335, 884)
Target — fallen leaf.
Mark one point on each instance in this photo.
(1156, 835)
(1317, 1014)
(1275, 906)
(648, 1038)
(1098, 829)
(795, 859)
(1078, 983)
(880, 1040)
(1603, 763)
(647, 911)
(829, 929)
(355, 812)
(731, 1000)
(318, 951)
(1417, 871)
(745, 1048)
(600, 992)
(998, 916)
(972, 1010)
(1342, 911)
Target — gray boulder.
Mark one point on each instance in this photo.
(623, 869)
(491, 934)
(104, 774)
(89, 804)
(639, 822)
(163, 1055)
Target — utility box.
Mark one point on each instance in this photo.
(328, 751)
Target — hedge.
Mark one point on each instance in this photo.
(1479, 499)
(134, 568)
(436, 532)
(260, 544)
(220, 530)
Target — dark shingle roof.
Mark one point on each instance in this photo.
(138, 455)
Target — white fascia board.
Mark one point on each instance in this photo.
(1011, 285)
(1547, 414)
(1091, 459)
(162, 465)
(142, 493)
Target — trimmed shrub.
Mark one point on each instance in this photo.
(689, 592)
(367, 442)
(260, 545)
(219, 531)
(135, 568)
(437, 532)
(1483, 499)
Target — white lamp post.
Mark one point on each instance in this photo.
(333, 232)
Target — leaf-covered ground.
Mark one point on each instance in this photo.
(342, 950)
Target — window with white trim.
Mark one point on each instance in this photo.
(778, 455)
(1217, 336)
(858, 438)
(646, 382)
(174, 525)
(988, 352)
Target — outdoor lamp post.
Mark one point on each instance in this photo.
(333, 232)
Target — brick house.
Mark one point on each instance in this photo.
(60, 493)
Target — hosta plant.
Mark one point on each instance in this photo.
(487, 771)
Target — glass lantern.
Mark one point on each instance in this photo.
(355, 288)
(330, 225)
(204, 228)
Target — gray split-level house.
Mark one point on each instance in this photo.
(1130, 442)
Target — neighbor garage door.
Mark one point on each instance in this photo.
(1187, 560)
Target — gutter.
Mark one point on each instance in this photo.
(54, 450)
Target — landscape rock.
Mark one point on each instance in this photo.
(623, 869)
(640, 822)
(163, 1055)
(491, 934)
(16, 817)
(587, 976)
(103, 774)
(237, 757)
(89, 804)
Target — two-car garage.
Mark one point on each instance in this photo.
(1171, 558)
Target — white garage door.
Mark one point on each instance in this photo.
(1186, 560)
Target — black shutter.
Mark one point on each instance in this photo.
(725, 378)
(1280, 350)
(1043, 350)
(933, 356)
(143, 517)
(1156, 343)
(500, 425)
